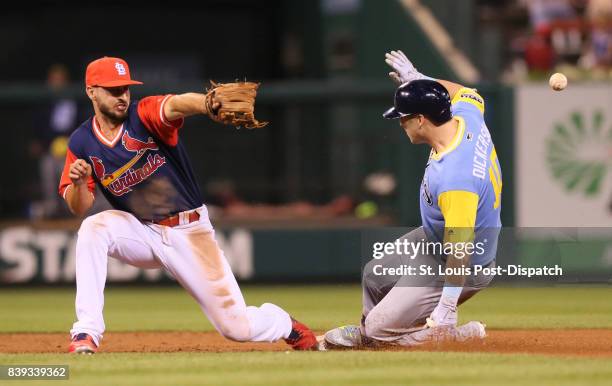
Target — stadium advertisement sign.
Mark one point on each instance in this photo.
(29, 255)
(563, 155)
(48, 256)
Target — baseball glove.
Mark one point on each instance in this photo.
(233, 104)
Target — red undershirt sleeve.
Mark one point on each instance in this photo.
(65, 180)
(151, 113)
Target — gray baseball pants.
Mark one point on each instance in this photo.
(396, 307)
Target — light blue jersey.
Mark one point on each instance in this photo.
(462, 185)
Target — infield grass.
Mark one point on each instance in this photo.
(327, 368)
(322, 307)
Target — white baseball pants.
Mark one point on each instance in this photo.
(189, 252)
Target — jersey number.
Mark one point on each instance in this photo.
(495, 177)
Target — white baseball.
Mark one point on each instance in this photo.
(558, 81)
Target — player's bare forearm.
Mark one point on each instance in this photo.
(77, 194)
(458, 261)
(79, 199)
(457, 265)
(185, 105)
(451, 87)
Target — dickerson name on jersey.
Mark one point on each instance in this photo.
(481, 150)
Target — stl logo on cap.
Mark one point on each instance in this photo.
(120, 68)
(109, 72)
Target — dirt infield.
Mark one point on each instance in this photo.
(591, 343)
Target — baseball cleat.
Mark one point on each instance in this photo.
(446, 333)
(344, 337)
(471, 330)
(301, 337)
(321, 344)
(82, 344)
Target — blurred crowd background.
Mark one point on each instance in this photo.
(327, 155)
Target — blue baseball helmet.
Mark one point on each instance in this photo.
(423, 96)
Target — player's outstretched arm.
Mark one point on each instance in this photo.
(78, 197)
(185, 105)
(227, 103)
(404, 71)
(452, 88)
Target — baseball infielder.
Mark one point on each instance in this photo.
(132, 151)
(460, 203)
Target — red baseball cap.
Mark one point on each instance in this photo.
(108, 72)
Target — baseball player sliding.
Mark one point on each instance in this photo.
(460, 201)
(133, 152)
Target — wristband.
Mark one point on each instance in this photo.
(451, 294)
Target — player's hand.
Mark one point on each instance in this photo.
(445, 314)
(404, 70)
(79, 172)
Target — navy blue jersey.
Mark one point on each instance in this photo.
(144, 170)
